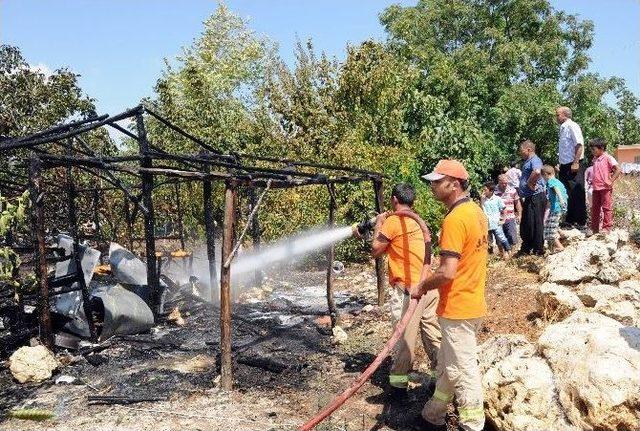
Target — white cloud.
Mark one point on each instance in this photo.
(41, 68)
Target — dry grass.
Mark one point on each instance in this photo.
(626, 203)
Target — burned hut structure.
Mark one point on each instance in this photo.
(63, 147)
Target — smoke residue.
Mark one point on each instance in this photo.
(288, 250)
(285, 251)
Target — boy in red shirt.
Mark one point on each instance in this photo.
(605, 172)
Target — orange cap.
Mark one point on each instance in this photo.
(447, 168)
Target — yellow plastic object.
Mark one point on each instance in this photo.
(180, 253)
(102, 270)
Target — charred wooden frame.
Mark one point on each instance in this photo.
(148, 166)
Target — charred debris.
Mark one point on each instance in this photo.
(92, 294)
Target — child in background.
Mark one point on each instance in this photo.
(556, 206)
(514, 174)
(513, 210)
(605, 172)
(494, 207)
(588, 185)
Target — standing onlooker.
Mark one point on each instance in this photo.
(588, 185)
(557, 205)
(534, 201)
(513, 210)
(461, 279)
(570, 155)
(605, 172)
(513, 175)
(494, 209)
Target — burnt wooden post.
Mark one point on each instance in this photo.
(209, 228)
(333, 313)
(37, 200)
(96, 214)
(226, 372)
(73, 231)
(255, 231)
(127, 216)
(377, 189)
(149, 223)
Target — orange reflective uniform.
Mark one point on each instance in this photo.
(464, 235)
(404, 236)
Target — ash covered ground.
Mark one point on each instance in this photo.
(285, 365)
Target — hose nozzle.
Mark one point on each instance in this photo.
(361, 229)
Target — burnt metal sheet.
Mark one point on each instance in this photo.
(125, 312)
(126, 266)
(69, 304)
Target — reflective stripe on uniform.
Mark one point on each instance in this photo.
(441, 396)
(470, 415)
(398, 380)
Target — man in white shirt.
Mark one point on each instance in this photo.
(570, 157)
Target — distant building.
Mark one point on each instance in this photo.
(628, 154)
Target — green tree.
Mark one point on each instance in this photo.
(30, 101)
(466, 79)
(212, 88)
(499, 68)
(628, 120)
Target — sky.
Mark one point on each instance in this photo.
(119, 46)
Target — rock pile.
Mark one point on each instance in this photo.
(583, 373)
(601, 273)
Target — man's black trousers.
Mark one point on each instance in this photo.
(532, 224)
(574, 183)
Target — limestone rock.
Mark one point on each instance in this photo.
(339, 336)
(576, 263)
(572, 235)
(626, 262)
(175, 317)
(498, 347)
(591, 294)
(32, 364)
(596, 365)
(624, 312)
(621, 303)
(619, 237)
(608, 274)
(631, 285)
(555, 302)
(519, 387)
(368, 308)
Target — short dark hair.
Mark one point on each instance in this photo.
(464, 185)
(598, 143)
(490, 185)
(405, 193)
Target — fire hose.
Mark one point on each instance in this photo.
(397, 333)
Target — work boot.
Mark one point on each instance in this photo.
(397, 394)
(420, 424)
